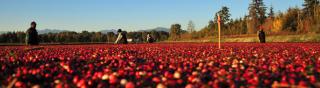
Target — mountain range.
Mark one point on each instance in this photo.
(156, 29)
(146, 30)
(50, 31)
(44, 31)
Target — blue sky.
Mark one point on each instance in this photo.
(130, 15)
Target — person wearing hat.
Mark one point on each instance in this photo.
(122, 37)
(32, 35)
(262, 35)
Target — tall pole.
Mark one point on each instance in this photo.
(219, 30)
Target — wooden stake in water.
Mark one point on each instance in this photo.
(219, 30)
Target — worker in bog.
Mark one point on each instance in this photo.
(262, 35)
(150, 39)
(122, 37)
(32, 35)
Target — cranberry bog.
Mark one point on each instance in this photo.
(178, 65)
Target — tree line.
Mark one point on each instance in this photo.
(82, 37)
(294, 20)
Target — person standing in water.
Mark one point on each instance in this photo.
(122, 37)
(32, 35)
(150, 39)
(262, 35)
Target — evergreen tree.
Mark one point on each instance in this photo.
(271, 13)
(257, 11)
(224, 14)
(310, 7)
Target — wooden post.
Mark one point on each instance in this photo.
(219, 30)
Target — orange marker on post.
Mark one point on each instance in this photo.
(219, 30)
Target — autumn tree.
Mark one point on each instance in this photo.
(310, 7)
(236, 27)
(310, 21)
(290, 20)
(175, 31)
(191, 27)
(268, 24)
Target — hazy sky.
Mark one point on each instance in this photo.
(95, 15)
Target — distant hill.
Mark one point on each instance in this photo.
(108, 30)
(147, 30)
(156, 29)
(40, 31)
(44, 31)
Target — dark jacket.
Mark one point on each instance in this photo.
(32, 37)
(262, 36)
(122, 38)
(150, 39)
